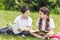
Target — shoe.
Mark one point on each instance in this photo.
(23, 36)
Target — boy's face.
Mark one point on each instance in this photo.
(26, 14)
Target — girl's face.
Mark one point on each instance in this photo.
(42, 15)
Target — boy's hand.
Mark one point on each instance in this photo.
(10, 28)
(19, 29)
(28, 29)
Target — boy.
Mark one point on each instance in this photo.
(22, 23)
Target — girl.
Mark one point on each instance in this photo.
(45, 24)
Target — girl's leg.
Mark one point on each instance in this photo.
(36, 35)
(49, 35)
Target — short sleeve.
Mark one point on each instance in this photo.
(29, 22)
(37, 23)
(52, 25)
(16, 20)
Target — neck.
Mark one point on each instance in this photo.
(23, 17)
(45, 18)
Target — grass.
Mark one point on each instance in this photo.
(6, 16)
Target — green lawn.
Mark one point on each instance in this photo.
(6, 16)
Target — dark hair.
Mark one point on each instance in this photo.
(24, 9)
(45, 10)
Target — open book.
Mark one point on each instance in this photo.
(15, 28)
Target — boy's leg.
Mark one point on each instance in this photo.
(9, 32)
(0, 32)
(6, 30)
(24, 33)
(3, 30)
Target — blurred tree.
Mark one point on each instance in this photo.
(58, 2)
(9, 4)
(1, 5)
(33, 4)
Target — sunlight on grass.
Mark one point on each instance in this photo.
(6, 16)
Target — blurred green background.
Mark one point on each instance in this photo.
(15, 5)
(10, 9)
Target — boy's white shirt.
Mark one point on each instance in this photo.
(51, 24)
(21, 23)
